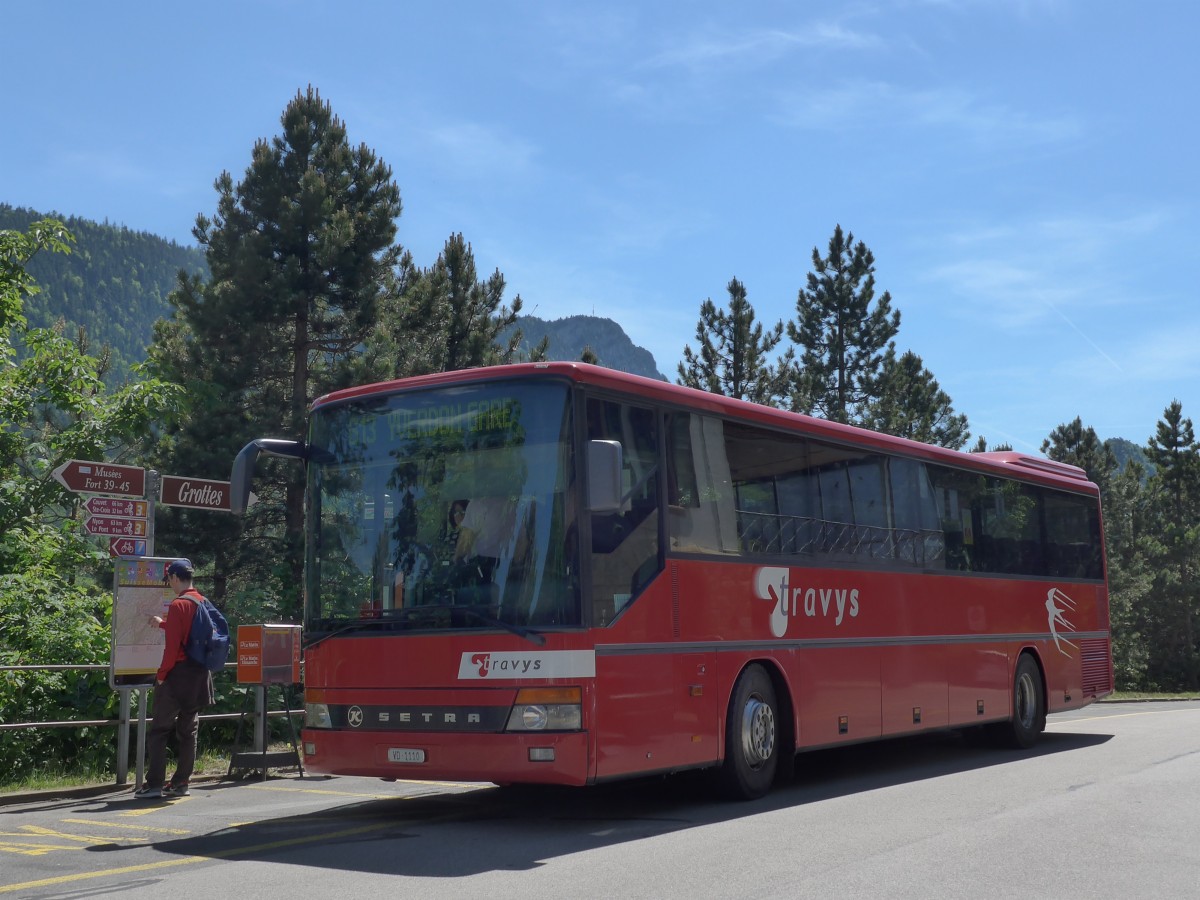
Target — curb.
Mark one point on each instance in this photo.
(82, 792)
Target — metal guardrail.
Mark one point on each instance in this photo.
(124, 720)
(100, 723)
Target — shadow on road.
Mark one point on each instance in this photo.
(519, 828)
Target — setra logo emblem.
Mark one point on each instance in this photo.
(354, 716)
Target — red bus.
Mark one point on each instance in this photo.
(560, 573)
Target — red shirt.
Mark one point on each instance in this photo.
(177, 625)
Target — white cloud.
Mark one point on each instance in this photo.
(756, 47)
(476, 150)
(878, 105)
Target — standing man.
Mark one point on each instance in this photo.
(182, 688)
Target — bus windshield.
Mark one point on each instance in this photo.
(443, 509)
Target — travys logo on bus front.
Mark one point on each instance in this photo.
(483, 665)
(773, 583)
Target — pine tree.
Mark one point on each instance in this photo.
(733, 348)
(1072, 443)
(843, 339)
(1175, 560)
(301, 254)
(911, 404)
(1130, 578)
(444, 318)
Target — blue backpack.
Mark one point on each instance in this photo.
(208, 640)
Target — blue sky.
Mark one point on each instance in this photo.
(1024, 171)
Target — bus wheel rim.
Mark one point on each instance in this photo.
(758, 732)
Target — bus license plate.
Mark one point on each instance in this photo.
(405, 755)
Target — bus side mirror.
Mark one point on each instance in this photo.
(605, 460)
(243, 467)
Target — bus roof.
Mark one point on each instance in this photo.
(1010, 464)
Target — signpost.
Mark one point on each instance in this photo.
(111, 506)
(113, 525)
(197, 493)
(88, 477)
(123, 546)
(121, 506)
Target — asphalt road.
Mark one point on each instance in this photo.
(1107, 805)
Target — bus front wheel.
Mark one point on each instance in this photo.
(751, 737)
(1029, 707)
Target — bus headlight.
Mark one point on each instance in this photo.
(547, 709)
(316, 715)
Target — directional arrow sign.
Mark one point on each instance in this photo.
(198, 493)
(115, 526)
(112, 506)
(87, 477)
(121, 546)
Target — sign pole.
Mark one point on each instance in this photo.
(151, 505)
(141, 737)
(123, 739)
(151, 491)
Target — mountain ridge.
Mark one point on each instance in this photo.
(115, 283)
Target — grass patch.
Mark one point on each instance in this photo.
(208, 763)
(1150, 695)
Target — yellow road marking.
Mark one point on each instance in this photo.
(130, 827)
(143, 812)
(187, 860)
(50, 832)
(29, 849)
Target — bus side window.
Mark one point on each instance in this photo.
(700, 495)
(625, 545)
(920, 541)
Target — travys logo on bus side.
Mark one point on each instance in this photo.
(773, 583)
(484, 665)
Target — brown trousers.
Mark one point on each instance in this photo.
(177, 704)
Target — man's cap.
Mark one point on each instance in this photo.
(181, 568)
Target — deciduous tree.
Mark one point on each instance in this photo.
(55, 584)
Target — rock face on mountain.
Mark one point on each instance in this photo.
(607, 340)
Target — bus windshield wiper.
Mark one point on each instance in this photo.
(528, 634)
(353, 626)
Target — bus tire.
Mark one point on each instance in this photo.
(1029, 707)
(751, 737)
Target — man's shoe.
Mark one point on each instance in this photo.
(176, 790)
(146, 792)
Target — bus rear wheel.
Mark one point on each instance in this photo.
(751, 737)
(1028, 705)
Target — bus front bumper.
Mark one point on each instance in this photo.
(543, 758)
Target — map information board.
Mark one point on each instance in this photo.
(137, 643)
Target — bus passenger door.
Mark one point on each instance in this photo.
(651, 700)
